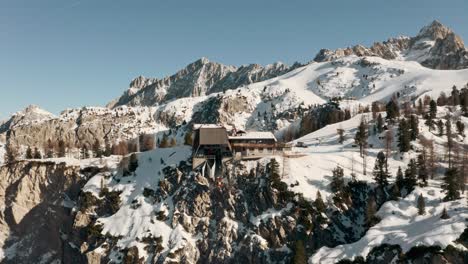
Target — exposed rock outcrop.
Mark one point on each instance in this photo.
(33, 216)
(198, 78)
(79, 127)
(436, 46)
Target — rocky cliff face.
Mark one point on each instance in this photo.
(436, 46)
(35, 203)
(198, 78)
(78, 127)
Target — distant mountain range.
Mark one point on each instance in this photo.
(436, 47)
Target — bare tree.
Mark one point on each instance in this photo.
(120, 148)
(147, 142)
(388, 144)
(341, 137)
(407, 109)
(463, 170)
(133, 146)
(49, 148)
(450, 142)
(428, 146)
(61, 148)
(11, 153)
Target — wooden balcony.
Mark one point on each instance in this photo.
(253, 145)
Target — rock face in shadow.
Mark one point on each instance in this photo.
(34, 219)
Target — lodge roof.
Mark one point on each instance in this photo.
(213, 136)
(254, 135)
(198, 126)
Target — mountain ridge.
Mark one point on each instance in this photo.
(200, 77)
(435, 46)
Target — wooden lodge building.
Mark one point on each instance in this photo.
(218, 144)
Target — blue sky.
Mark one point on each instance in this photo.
(60, 53)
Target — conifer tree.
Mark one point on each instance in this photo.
(431, 115)
(421, 205)
(464, 101)
(422, 170)
(440, 127)
(442, 100)
(399, 181)
(29, 154)
(361, 136)
(451, 184)
(444, 214)
(393, 110)
(319, 204)
(460, 128)
(433, 109)
(273, 170)
(414, 126)
(37, 154)
(411, 174)
(380, 123)
(455, 96)
(404, 136)
(337, 182)
(380, 170)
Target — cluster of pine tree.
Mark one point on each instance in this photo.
(418, 170)
(319, 116)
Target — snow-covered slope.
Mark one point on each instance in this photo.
(135, 222)
(401, 225)
(366, 79)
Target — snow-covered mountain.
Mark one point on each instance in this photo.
(270, 105)
(198, 78)
(436, 46)
(29, 115)
(152, 207)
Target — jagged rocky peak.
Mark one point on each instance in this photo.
(434, 31)
(141, 81)
(435, 46)
(30, 114)
(199, 78)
